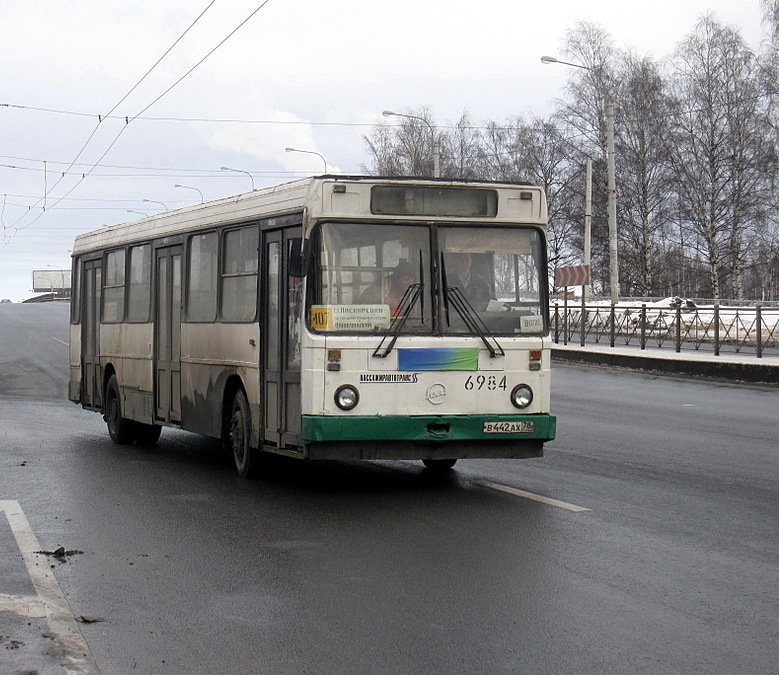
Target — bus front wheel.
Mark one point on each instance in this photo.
(121, 430)
(240, 434)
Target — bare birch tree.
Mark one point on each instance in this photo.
(582, 115)
(696, 160)
(716, 150)
(644, 180)
(461, 150)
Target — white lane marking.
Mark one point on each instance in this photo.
(62, 342)
(77, 659)
(534, 497)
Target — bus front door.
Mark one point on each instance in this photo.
(91, 373)
(167, 349)
(281, 330)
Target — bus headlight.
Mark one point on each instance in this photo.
(521, 396)
(346, 397)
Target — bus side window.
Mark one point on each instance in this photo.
(202, 255)
(139, 286)
(75, 301)
(239, 274)
(113, 287)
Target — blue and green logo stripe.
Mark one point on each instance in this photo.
(463, 358)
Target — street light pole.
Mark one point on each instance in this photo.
(227, 168)
(154, 201)
(611, 188)
(189, 187)
(309, 152)
(433, 140)
(546, 60)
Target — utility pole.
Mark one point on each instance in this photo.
(612, 204)
(611, 190)
(588, 228)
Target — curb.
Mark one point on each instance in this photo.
(740, 372)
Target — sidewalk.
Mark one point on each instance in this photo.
(728, 366)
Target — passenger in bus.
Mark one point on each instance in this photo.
(459, 275)
(397, 284)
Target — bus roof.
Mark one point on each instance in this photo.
(244, 207)
(279, 200)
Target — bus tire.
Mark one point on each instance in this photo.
(147, 434)
(121, 430)
(240, 434)
(439, 464)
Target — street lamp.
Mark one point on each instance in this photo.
(436, 159)
(189, 187)
(227, 168)
(309, 152)
(139, 212)
(552, 59)
(154, 201)
(612, 188)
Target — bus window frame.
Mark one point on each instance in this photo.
(150, 270)
(314, 272)
(188, 267)
(222, 274)
(121, 314)
(75, 300)
(437, 303)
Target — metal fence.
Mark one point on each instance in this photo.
(715, 329)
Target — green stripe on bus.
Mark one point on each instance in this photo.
(430, 428)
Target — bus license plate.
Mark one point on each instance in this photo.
(509, 427)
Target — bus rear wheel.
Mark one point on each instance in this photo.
(439, 464)
(240, 435)
(121, 430)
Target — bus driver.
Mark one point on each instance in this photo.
(475, 289)
(398, 283)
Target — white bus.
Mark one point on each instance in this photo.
(334, 317)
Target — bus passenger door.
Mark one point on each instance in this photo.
(280, 327)
(91, 374)
(167, 349)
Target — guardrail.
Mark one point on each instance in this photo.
(714, 328)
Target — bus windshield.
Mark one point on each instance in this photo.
(497, 272)
(362, 272)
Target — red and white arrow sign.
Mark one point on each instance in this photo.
(576, 275)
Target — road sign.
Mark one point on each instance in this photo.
(575, 275)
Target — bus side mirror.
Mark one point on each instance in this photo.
(297, 264)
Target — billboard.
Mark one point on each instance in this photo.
(51, 281)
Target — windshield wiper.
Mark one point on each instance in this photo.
(472, 320)
(454, 296)
(445, 285)
(399, 318)
(414, 293)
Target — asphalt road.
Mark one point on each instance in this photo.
(179, 566)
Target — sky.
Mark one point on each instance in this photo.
(107, 106)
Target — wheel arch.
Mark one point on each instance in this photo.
(122, 430)
(108, 371)
(233, 385)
